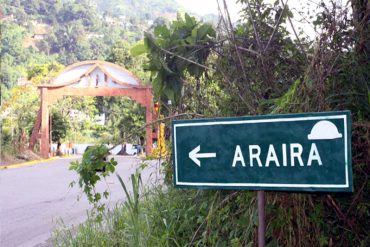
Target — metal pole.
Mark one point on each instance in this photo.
(261, 218)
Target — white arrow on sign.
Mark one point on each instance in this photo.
(194, 156)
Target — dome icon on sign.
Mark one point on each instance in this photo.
(324, 130)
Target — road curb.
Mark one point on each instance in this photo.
(29, 163)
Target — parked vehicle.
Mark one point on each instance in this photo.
(138, 148)
(125, 149)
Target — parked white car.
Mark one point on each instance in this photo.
(130, 149)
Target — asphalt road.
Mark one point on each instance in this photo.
(34, 199)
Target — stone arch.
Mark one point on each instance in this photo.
(91, 78)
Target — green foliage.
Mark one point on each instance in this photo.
(82, 11)
(93, 161)
(175, 51)
(132, 206)
(22, 102)
(12, 53)
(253, 67)
(328, 84)
(8, 77)
(76, 30)
(43, 73)
(171, 217)
(205, 96)
(72, 43)
(120, 55)
(59, 127)
(327, 79)
(79, 114)
(267, 63)
(125, 119)
(272, 74)
(12, 36)
(284, 102)
(18, 115)
(138, 49)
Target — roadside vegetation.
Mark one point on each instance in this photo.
(40, 37)
(264, 64)
(255, 67)
(165, 216)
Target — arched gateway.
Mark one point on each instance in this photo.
(90, 78)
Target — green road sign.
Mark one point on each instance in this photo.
(294, 152)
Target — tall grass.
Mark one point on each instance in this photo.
(132, 206)
(165, 216)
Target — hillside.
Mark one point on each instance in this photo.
(67, 31)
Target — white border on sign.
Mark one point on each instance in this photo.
(230, 122)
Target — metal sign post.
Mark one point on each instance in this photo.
(261, 218)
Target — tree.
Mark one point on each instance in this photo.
(59, 127)
(43, 73)
(175, 51)
(125, 118)
(19, 113)
(12, 36)
(83, 11)
(120, 54)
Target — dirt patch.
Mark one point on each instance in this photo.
(25, 156)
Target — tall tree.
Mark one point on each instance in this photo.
(175, 51)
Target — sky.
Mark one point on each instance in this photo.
(203, 7)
